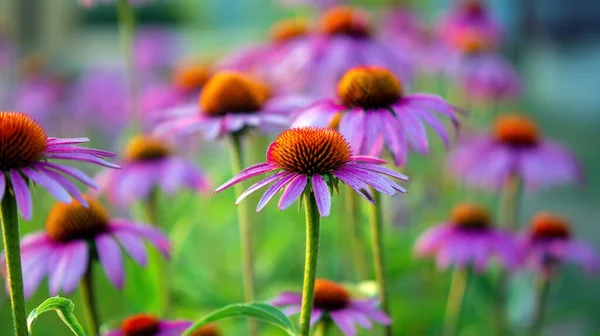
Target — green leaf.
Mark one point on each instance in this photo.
(260, 311)
(63, 307)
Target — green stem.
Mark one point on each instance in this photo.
(152, 208)
(126, 34)
(86, 288)
(237, 160)
(10, 233)
(323, 328)
(458, 286)
(310, 263)
(543, 286)
(356, 242)
(376, 223)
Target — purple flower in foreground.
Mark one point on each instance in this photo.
(314, 159)
(372, 112)
(150, 163)
(149, 325)
(26, 154)
(332, 301)
(514, 149)
(549, 244)
(468, 238)
(74, 234)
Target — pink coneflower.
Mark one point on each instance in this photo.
(469, 17)
(332, 301)
(372, 112)
(468, 238)
(64, 251)
(514, 149)
(150, 163)
(317, 158)
(549, 243)
(345, 40)
(150, 325)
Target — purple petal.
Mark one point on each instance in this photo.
(65, 183)
(294, 189)
(378, 182)
(133, 245)
(286, 298)
(173, 328)
(369, 307)
(81, 157)
(379, 169)
(22, 194)
(394, 135)
(77, 266)
(111, 259)
(359, 186)
(435, 124)
(359, 317)
(352, 128)
(154, 236)
(246, 174)
(59, 266)
(66, 141)
(315, 316)
(429, 242)
(73, 172)
(2, 186)
(322, 195)
(259, 185)
(344, 322)
(414, 129)
(292, 310)
(266, 197)
(54, 188)
(368, 159)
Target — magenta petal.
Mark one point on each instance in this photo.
(59, 266)
(78, 264)
(111, 259)
(293, 191)
(246, 174)
(344, 322)
(359, 317)
(315, 316)
(367, 159)
(2, 185)
(22, 194)
(54, 188)
(133, 245)
(259, 185)
(322, 195)
(379, 169)
(352, 128)
(173, 328)
(359, 186)
(369, 308)
(154, 236)
(65, 183)
(375, 180)
(81, 157)
(73, 172)
(266, 197)
(286, 298)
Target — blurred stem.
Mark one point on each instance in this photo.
(152, 208)
(376, 223)
(126, 35)
(237, 162)
(86, 288)
(356, 243)
(543, 286)
(310, 263)
(458, 286)
(323, 327)
(10, 233)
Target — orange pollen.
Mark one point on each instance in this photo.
(207, 330)
(191, 77)
(287, 30)
(546, 225)
(473, 42)
(470, 216)
(22, 140)
(369, 87)
(140, 325)
(72, 221)
(232, 92)
(346, 20)
(309, 150)
(330, 296)
(146, 148)
(516, 130)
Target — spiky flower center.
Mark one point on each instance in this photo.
(73, 221)
(547, 225)
(232, 92)
(146, 148)
(309, 150)
(191, 77)
(345, 20)
(515, 130)
(369, 87)
(287, 30)
(470, 216)
(22, 140)
(330, 296)
(140, 325)
(207, 330)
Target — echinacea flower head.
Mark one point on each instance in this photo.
(313, 160)
(150, 163)
(514, 149)
(190, 77)
(150, 325)
(373, 112)
(468, 238)
(74, 237)
(467, 19)
(333, 301)
(549, 243)
(26, 154)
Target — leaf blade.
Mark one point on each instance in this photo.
(63, 307)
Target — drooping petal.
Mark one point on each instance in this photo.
(286, 298)
(54, 188)
(266, 197)
(352, 128)
(322, 195)
(22, 194)
(133, 245)
(294, 189)
(65, 183)
(260, 184)
(344, 322)
(375, 180)
(246, 174)
(379, 169)
(369, 307)
(82, 157)
(78, 264)
(315, 316)
(154, 236)
(70, 171)
(2, 186)
(111, 259)
(359, 186)
(368, 159)
(59, 266)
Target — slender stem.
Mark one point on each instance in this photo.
(323, 328)
(126, 34)
(543, 286)
(356, 242)
(376, 223)
(86, 288)
(460, 279)
(237, 160)
(151, 204)
(310, 262)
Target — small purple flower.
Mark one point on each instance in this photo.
(549, 244)
(332, 301)
(468, 239)
(74, 234)
(372, 112)
(150, 163)
(514, 149)
(315, 158)
(149, 325)
(42, 97)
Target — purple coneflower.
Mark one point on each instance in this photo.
(150, 325)
(515, 149)
(372, 112)
(469, 17)
(332, 302)
(154, 49)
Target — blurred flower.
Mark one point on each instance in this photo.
(155, 49)
(332, 301)
(514, 149)
(468, 238)
(150, 163)
(149, 325)
(372, 111)
(26, 153)
(315, 158)
(549, 243)
(74, 234)
(313, 3)
(7, 53)
(346, 39)
(403, 26)
(90, 3)
(230, 103)
(42, 97)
